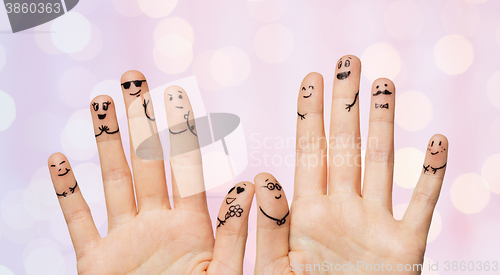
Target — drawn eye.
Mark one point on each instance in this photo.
(180, 96)
(96, 106)
(385, 85)
(171, 98)
(278, 187)
(105, 105)
(311, 87)
(270, 186)
(377, 86)
(347, 63)
(432, 144)
(440, 143)
(303, 88)
(340, 64)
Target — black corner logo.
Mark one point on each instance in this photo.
(26, 14)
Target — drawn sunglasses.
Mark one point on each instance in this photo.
(137, 83)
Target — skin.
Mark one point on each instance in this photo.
(146, 233)
(329, 219)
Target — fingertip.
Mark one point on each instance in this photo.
(56, 158)
(385, 83)
(131, 75)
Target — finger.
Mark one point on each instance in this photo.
(273, 221)
(145, 148)
(377, 186)
(185, 156)
(311, 163)
(116, 176)
(82, 230)
(344, 141)
(426, 193)
(232, 229)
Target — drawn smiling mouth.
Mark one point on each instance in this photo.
(230, 200)
(101, 116)
(434, 153)
(308, 96)
(136, 94)
(344, 75)
(63, 174)
(277, 197)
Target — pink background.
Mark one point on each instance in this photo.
(249, 58)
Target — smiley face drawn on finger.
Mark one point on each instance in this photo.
(63, 169)
(382, 90)
(101, 111)
(435, 148)
(234, 210)
(104, 108)
(178, 101)
(134, 91)
(307, 92)
(272, 186)
(346, 64)
(239, 189)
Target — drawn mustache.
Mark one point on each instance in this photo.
(385, 92)
(105, 129)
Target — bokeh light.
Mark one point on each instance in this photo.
(12, 208)
(459, 17)
(381, 60)
(127, 8)
(173, 53)
(7, 110)
(267, 11)
(157, 8)
(5, 271)
(273, 43)
(203, 73)
(39, 198)
(495, 132)
(174, 26)
(469, 193)
(403, 19)
(75, 85)
(408, 166)
(453, 54)
(490, 171)
(36, 134)
(77, 138)
(230, 66)
(493, 89)
(93, 48)
(71, 33)
(413, 110)
(47, 259)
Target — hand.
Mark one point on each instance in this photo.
(331, 221)
(150, 237)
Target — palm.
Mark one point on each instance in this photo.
(336, 225)
(149, 230)
(345, 230)
(145, 244)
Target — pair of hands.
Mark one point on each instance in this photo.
(330, 227)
